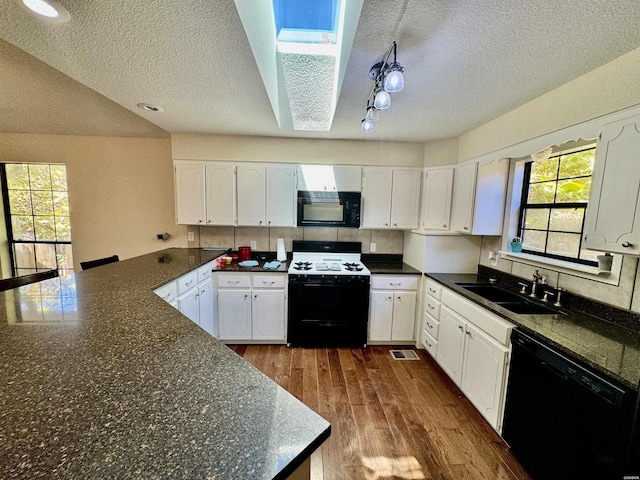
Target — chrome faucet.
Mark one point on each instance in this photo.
(536, 278)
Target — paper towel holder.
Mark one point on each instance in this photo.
(281, 252)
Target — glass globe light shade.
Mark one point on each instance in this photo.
(382, 100)
(394, 81)
(373, 114)
(367, 126)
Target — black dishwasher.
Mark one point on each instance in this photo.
(563, 421)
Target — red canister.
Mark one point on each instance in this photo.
(244, 253)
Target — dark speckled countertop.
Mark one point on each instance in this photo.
(387, 264)
(608, 348)
(103, 379)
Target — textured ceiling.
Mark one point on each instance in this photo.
(467, 62)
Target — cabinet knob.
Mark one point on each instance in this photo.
(255, 296)
(468, 333)
(466, 228)
(627, 244)
(444, 225)
(386, 224)
(460, 327)
(199, 221)
(245, 296)
(269, 222)
(395, 224)
(260, 222)
(209, 221)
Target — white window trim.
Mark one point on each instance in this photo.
(514, 194)
(569, 268)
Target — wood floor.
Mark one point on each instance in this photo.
(390, 419)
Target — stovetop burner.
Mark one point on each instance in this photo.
(302, 266)
(353, 267)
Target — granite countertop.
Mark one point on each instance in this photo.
(608, 348)
(388, 264)
(103, 379)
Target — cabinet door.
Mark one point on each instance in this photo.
(404, 315)
(451, 343)
(347, 178)
(464, 190)
(380, 315)
(490, 196)
(613, 216)
(234, 314)
(405, 199)
(268, 315)
(251, 195)
(281, 196)
(483, 374)
(221, 194)
(190, 194)
(436, 199)
(205, 306)
(188, 304)
(376, 197)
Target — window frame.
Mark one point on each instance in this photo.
(524, 206)
(4, 186)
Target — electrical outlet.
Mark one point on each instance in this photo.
(191, 237)
(372, 247)
(253, 245)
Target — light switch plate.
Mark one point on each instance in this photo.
(372, 247)
(253, 245)
(190, 236)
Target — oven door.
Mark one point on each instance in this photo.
(328, 313)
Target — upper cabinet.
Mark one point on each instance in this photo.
(613, 218)
(390, 197)
(436, 198)
(336, 178)
(247, 194)
(190, 193)
(479, 194)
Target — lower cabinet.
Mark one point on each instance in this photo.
(392, 308)
(473, 348)
(251, 307)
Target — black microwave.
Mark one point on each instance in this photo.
(329, 209)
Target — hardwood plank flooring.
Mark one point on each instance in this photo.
(389, 419)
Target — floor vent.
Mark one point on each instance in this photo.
(404, 355)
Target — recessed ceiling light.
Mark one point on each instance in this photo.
(48, 10)
(150, 108)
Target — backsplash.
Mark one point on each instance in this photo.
(387, 241)
(622, 296)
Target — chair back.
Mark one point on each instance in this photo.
(15, 282)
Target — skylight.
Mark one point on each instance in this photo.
(306, 21)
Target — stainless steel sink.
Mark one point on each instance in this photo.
(511, 301)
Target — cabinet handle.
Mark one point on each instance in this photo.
(468, 333)
(460, 327)
(627, 244)
(432, 290)
(429, 325)
(466, 228)
(431, 306)
(394, 284)
(264, 282)
(429, 344)
(188, 283)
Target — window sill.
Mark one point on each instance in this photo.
(575, 269)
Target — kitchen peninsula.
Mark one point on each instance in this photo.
(102, 378)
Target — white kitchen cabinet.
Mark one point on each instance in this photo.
(473, 348)
(169, 293)
(392, 308)
(281, 195)
(337, 178)
(206, 313)
(451, 343)
(376, 197)
(431, 317)
(479, 194)
(251, 183)
(234, 314)
(220, 193)
(436, 198)
(612, 221)
(268, 315)
(390, 198)
(483, 373)
(190, 193)
(405, 199)
(251, 306)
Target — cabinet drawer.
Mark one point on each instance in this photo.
(429, 343)
(168, 292)
(434, 289)
(234, 281)
(432, 307)
(431, 325)
(187, 281)
(268, 281)
(204, 272)
(489, 322)
(394, 282)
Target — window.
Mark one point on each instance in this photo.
(554, 200)
(36, 207)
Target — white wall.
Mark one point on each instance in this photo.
(120, 190)
(295, 150)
